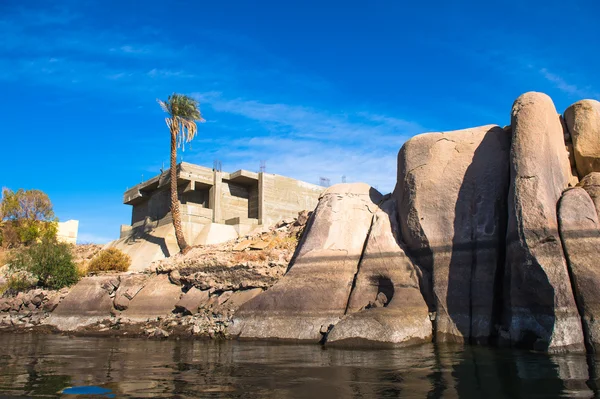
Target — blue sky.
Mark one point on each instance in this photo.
(315, 88)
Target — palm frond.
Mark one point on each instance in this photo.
(183, 112)
(163, 105)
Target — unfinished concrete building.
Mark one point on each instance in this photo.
(215, 207)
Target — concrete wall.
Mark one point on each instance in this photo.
(155, 207)
(253, 201)
(67, 231)
(198, 196)
(234, 201)
(197, 173)
(283, 197)
(193, 207)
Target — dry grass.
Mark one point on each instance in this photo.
(284, 242)
(249, 256)
(82, 268)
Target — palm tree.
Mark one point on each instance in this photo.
(183, 114)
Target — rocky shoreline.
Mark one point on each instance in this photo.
(193, 296)
(25, 316)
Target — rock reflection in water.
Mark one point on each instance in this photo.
(40, 365)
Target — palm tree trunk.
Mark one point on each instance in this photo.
(175, 213)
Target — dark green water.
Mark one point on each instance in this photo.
(44, 365)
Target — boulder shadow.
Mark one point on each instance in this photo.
(477, 253)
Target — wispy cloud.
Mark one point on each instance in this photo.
(131, 50)
(166, 73)
(568, 88)
(527, 63)
(307, 122)
(309, 161)
(307, 143)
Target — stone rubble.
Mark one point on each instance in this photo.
(29, 309)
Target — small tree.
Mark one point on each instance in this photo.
(26, 216)
(49, 261)
(183, 114)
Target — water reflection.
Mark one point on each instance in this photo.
(43, 366)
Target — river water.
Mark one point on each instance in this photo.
(58, 366)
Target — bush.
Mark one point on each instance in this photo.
(49, 261)
(26, 216)
(18, 283)
(110, 259)
(14, 285)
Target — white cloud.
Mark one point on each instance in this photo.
(307, 143)
(166, 73)
(309, 161)
(133, 50)
(568, 88)
(306, 122)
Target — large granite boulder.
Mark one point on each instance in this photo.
(314, 292)
(540, 310)
(451, 195)
(580, 234)
(87, 302)
(402, 317)
(583, 122)
(591, 184)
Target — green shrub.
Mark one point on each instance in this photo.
(49, 261)
(110, 259)
(18, 283)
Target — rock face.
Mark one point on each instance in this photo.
(87, 302)
(316, 288)
(451, 195)
(540, 308)
(580, 233)
(591, 184)
(157, 298)
(386, 305)
(192, 300)
(128, 289)
(583, 122)
(239, 298)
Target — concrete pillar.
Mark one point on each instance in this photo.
(261, 197)
(215, 194)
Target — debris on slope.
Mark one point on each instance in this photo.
(254, 261)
